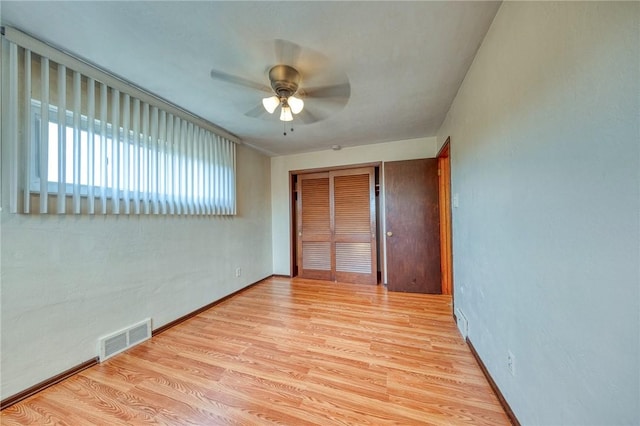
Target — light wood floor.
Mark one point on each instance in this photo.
(291, 352)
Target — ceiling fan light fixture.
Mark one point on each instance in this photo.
(271, 103)
(285, 114)
(296, 104)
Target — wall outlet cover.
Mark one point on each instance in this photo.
(511, 363)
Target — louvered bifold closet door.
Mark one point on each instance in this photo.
(354, 225)
(314, 227)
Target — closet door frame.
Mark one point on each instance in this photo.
(293, 213)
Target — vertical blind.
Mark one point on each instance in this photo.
(82, 141)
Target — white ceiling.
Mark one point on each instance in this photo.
(404, 60)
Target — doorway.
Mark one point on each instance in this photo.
(334, 224)
(444, 190)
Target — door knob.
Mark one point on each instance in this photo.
(389, 234)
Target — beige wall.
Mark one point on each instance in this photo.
(281, 166)
(67, 280)
(545, 157)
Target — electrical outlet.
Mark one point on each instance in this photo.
(238, 272)
(511, 363)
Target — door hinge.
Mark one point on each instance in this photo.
(438, 172)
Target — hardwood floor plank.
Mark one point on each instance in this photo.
(292, 352)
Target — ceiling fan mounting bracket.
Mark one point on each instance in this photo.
(285, 80)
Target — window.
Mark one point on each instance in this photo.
(108, 149)
(53, 161)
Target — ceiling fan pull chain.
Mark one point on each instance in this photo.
(284, 128)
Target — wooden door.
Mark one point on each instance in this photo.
(412, 226)
(336, 226)
(354, 225)
(314, 227)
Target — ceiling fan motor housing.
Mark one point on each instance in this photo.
(284, 80)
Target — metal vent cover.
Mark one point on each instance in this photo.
(124, 339)
(462, 323)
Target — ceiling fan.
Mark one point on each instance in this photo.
(290, 92)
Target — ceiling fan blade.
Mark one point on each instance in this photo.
(337, 91)
(307, 117)
(287, 53)
(256, 111)
(234, 79)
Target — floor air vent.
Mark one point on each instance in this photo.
(124, 339)
(463, 325)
